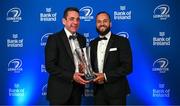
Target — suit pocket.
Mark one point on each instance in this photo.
(112, 49)
(113, 53)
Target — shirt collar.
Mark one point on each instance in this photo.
(68, 33)
(107, 35)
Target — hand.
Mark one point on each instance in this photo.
(81, 68)
(78, 78)
(99, 78)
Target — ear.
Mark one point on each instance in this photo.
(110, 24)
(64, 21)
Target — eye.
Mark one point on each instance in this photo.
(105, 21)
(71, 19)
(98, 21)
(78, 19)
(74, 19)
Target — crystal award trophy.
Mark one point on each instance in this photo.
(83, 55)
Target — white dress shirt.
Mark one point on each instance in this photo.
(101, 50)
(73, 44)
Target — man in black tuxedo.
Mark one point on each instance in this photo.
(112, 61)
(65, 83)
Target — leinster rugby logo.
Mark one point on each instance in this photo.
(161, 65)
(85, 13)
(123, 34)
(14, 15)
(44, 90)
(15, 66)
(161, 12)
(44, 38)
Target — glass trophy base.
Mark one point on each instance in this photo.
(90, 77)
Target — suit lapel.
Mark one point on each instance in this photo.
(80, 41)
(107, 49)
(67, 45)
(95, 55)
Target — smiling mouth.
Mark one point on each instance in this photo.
(102, 28)
(74, 26)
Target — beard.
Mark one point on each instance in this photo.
(103, 32)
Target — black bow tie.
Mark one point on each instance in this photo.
(104, 38)
(73, 37)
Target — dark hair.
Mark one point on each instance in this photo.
(69, 9)
(104, 12)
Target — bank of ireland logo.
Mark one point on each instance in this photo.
(15, 65)
(44, 38)
(44, 90)
(161, 65)
(48, 15)
(123, 34)
(86, 13)
(122, 14)
(43, 68)
(14, 15)
(17, 91)
(161, 40)
(161, 12)
(162, 91)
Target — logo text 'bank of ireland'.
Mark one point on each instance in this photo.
(161, 92)
(44, 39)
(161, 40)
(161, 12)
(14, 15)
(87, 38)
(123, 14)
(123, 34)
(15, 65)
(15, 42)
(48, 15)
(88, 92)
(17, 90)
(161, 65)
(86, 13)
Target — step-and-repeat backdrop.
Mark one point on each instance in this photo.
(152, 26)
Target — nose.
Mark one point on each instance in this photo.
(76, 21)
(102, 23)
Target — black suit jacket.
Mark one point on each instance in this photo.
(60, 66)
(117, 65)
